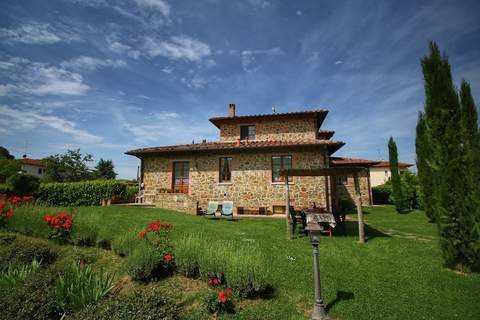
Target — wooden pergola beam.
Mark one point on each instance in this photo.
(322, 172)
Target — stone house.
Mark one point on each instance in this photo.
(33, 166)
(381, 173)
(244, 166)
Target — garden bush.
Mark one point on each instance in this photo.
(85, 235)
(85, 193)
(382, 194)
(25, 250)
(32, 299)
(5, 189)
(145, 303)
(81, 286)
(147, 263)
(23, 184)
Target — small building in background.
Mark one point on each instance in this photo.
(33, 166)
(381, 173)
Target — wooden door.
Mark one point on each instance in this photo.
(181, 170)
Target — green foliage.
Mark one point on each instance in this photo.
(146, 263)
(382, 194)
(81, 286)
(71, 166)
(5, 154)
(104, 170)
(445, 134)
(85, 235)
(87, 193)
(32, 299)
(125, 243)
(23, 184)
(14, 273)
(24, 251)
(29, 221)
(245, 268)
(130, 192)
(9, 167)
(146, 303)
(396, 184)
(5, 189)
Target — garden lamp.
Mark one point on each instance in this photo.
(314, 231)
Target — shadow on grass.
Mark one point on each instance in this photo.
(341, 296)
(350, 229)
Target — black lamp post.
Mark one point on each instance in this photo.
(314, 230)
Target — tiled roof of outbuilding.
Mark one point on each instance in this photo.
(341, 161)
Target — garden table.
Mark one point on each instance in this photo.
(320, 217)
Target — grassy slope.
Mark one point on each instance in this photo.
(394, 276)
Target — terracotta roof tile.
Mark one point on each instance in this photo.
(214, 146)
(341, 161)
(320, 113)
(32, 162)
(386, 164)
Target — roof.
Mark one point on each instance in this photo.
(386, 164)
(319, 113)
(32, 162)
(326, 134)
(341, 161)
(233, 146)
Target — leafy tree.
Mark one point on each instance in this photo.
(9, 167)
(4, 153)
(396, 184)
(68, 167)
(105, 169)
(442, 137)
(23, 184)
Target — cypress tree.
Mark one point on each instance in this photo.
(446, 159)
(471, 144)
(424, 171)
(396, 184)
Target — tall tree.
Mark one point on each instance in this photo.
(396, 184)
(4, 153)
(69, 167)
(105, 170)
(425, 175)
(471, 144)
(445, 159)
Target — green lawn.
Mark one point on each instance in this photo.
(397, 274)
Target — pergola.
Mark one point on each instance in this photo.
(326, 172)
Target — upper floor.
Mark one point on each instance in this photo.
(291, 126)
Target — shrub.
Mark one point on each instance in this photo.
(187, 250)
(22, 184)
(25, 250)
(8, 205)
(32, 299)
(221, 302)
(5, 189)
(85, 235)
(15, 274)
(60, 226)
(147, 263)
(75, 194)
(147, 303)
(382, 194)
(81, 286)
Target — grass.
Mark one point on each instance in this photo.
(398, 274)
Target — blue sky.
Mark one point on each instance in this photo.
(106, 76)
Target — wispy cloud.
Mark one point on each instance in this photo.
(35, 78)
(250, 57)
(177, 48)
(162, 6)
(85, 63)
(18, 119)
(37, 33)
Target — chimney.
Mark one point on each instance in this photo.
(231, 110)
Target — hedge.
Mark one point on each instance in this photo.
(382, 194)
(85, 193)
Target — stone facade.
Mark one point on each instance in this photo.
(282, 129)
(251, 186)
(176, 201)
(346, 190)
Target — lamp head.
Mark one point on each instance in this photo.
(314, 231)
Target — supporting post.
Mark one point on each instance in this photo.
(287, 209)
(358, 202)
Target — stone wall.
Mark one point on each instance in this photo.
(347, 191)
(251, 186)
(176, 201)
(283, 129)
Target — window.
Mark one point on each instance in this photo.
(341, 180)
(281, 163)
(247, 132)
(39, 170)
(225, 174)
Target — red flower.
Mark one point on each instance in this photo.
(26, 199)
(15, 200)
(215, 282)
(142, 234)
(10, 213)
(209, 281)
(229, 292)
(168, 258)
(67, 225)
(47, 218)
(3, 205)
